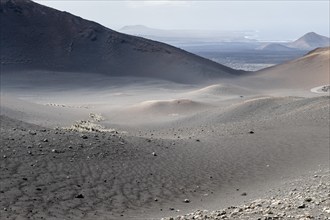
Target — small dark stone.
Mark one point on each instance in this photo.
(302, 206)
(308, 199)
(38, 189)
(84, 136)
(172, 209)
(244, 194)
(198, 140)
(80, 196)
(186, 201)
(55, 151)
(251, 132)
(45, 140)
(24, 178)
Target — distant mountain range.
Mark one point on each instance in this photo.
(36, 37)
(309, 41)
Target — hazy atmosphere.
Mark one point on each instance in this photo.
(164, 110)
(273, 20)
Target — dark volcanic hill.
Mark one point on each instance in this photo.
(35, 37)
(310, 41)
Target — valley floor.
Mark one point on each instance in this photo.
(128, 153)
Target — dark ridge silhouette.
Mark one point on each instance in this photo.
(36, 37)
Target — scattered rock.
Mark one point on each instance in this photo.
(186, 201)
(154, 154)
(83, 136)
(308, 199)
(302, 206)
(80, 196)
(88, 126)
(55, 151)
(251, 132)
(244, 194)
(32, 132)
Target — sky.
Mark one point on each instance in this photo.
(273, 20)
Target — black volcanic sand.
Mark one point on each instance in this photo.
(60, 174)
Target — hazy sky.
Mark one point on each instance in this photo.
(275, 20)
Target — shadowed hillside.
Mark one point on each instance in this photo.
(35, 37)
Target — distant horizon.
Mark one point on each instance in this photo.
(210, 30)
(271, 20)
